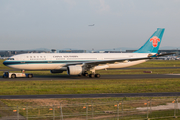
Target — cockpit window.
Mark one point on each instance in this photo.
(10, 59)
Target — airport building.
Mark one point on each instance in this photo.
(176, 51)
(5, 53)
(72, 51)
(53, 50)
(113, 51)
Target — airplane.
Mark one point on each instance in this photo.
(92, 25)
(81, 63)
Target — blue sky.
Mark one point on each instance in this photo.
(31, 24)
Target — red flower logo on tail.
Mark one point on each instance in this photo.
(155, 41)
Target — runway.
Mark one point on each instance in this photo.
(89, 95)
(67, 77)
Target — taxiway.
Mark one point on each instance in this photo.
(90, 95)
(67, 77)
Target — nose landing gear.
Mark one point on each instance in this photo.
(86, 74)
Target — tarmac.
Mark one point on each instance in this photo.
(115, 68)
(90, 95)
(67, 77)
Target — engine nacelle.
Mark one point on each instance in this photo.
(74, 70)
(56, 71)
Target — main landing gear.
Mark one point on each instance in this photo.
(91, 75)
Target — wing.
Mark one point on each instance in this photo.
(95, 63)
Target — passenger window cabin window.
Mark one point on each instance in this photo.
(30, 56)
(10, 58)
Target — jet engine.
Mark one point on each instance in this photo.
(74, 70)
(56, 71)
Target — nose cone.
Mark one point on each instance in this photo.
(5, 63)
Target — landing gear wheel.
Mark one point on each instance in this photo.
(97, 75)
(79, 75)
(13, 76)
(86, 74)
(91, 75)
(30, 76)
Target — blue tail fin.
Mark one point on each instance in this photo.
(153, 43)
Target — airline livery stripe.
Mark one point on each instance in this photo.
(39, 62)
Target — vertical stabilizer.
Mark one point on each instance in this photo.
(153, 43)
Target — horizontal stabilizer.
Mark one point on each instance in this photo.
(159, 55)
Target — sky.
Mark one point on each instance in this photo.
(60, 24)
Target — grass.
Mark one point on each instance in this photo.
(130, 100)
(3, 66)
(95, 86)
(159, 63)
(71, 106)
(89, 86)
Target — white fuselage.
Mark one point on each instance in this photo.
(57, 61)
